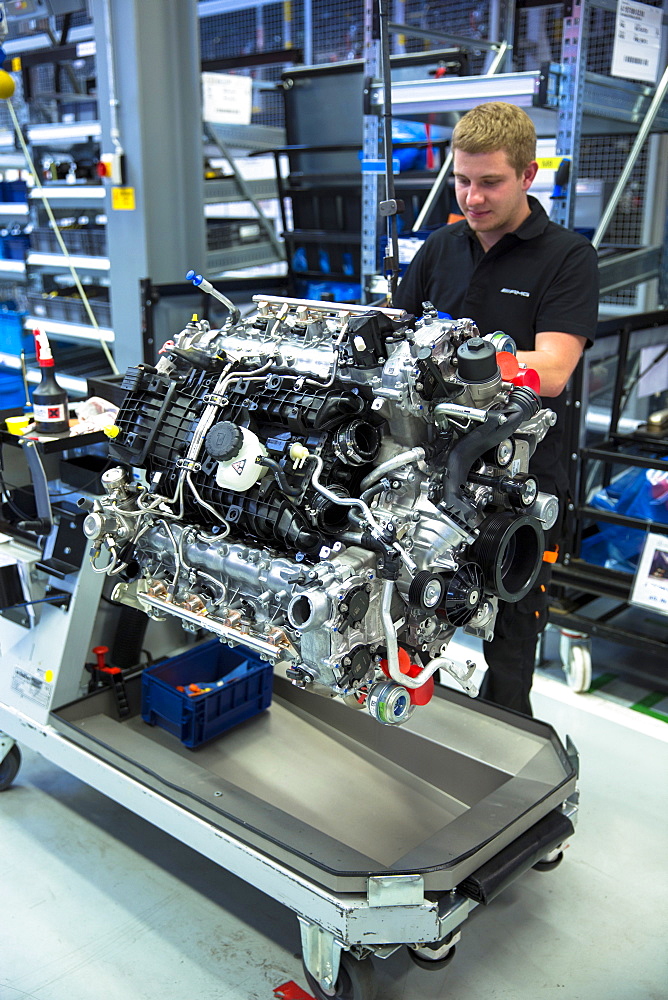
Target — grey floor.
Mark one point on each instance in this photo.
(96, 904)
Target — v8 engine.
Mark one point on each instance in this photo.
(338, 488)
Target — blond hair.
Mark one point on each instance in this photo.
(497, 125)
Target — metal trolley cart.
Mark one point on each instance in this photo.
(376, 835)
(412, 829)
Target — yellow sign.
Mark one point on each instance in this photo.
(550, 162)
(123, 199)
(16, 64)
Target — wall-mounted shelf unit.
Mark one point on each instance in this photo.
(610, 106)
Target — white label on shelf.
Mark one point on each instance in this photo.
(635, 54)
(85, 49)
(227, 99)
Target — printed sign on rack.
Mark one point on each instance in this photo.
(227, 98)
(637, 47)
(650, 587)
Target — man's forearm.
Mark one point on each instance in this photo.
(554, 359)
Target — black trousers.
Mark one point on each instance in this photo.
(511, 654)
(509, 675)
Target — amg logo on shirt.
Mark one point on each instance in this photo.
(515, 291)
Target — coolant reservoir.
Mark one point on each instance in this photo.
(236, 450)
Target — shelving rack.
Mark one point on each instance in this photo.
(181, 200)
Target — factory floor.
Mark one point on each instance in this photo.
(97, 904)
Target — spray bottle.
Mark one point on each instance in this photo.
(49, 400)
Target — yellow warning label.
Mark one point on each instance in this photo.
(550, 162)
(48, 676)
(16, 64)
(123, 199)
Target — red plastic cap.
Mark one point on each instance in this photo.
(528, 377)
(43, 349)
(418, 696)
(508, 365)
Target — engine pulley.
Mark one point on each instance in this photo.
(509, 550)
(464, 590)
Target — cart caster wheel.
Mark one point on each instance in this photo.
(549, 864)
(9, 767)
(356, 981)
(421, 958)
(577, 667)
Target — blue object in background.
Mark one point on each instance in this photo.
(323, 261)
(299, 261)
(341, 291)
(405, 131)
(641, 493)
(12, 391)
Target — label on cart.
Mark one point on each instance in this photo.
(35, 686)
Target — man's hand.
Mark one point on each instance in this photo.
(554, 359)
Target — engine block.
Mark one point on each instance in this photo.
(336, 487)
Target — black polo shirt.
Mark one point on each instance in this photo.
(538, 279)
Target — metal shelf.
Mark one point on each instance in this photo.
(226, 189)
(68, 382)
(58, 262)
(234, 258)
(610, 106)
(254, 138)
(70, 331)
(12, 268)
(12, 209)
(60, 133)
(80, 195)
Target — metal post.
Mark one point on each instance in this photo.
(154, 45)
(370, 135)
(573, 57)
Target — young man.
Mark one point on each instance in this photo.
(508, 267)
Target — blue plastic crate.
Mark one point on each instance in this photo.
(12, 391)
(13, 337)
(246, 690)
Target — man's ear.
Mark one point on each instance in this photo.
(529, 175)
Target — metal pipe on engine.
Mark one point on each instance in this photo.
(405, 458)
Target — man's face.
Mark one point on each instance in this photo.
(490, 194)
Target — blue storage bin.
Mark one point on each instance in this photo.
(12, 393)
(13, 191)
(246, 690)
(13, 337)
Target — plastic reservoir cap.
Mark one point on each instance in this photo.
(112, 431)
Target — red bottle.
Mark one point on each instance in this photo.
(49, 400)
